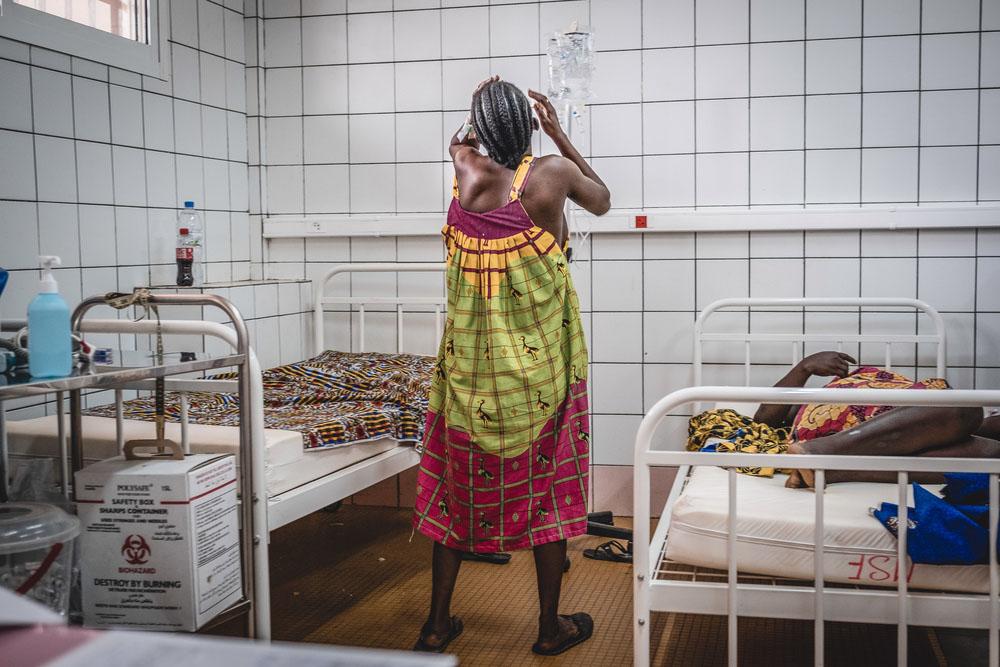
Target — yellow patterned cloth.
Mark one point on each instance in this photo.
(729, 431)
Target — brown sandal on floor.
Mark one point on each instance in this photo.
(453, 632)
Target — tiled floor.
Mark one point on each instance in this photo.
(355, 577)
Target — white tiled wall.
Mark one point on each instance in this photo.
(713, 103)
(347, 105)
(96, 160)
(706, 103)
(640, 294)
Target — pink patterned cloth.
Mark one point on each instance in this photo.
(470, 500)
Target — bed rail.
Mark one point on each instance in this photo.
(798, 340)
(987, 611)
(321, 299)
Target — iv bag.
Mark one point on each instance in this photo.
(571, 66)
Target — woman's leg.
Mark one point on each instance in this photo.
(444, 573)
(905, 431)
(550, 559)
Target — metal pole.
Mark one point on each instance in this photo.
(63, 445)
(120, 421)
(4, 456)
(994, 572)
(733, 620)
(76, 429)
(903, 600)
(819, 629)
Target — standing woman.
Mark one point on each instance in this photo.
(505, 463)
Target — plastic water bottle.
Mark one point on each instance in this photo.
(189, 247)
(50, 347)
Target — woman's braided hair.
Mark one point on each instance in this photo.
(501, 117)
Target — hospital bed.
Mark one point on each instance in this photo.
(737, 545)
(295, 481)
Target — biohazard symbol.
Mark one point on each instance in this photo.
(135, 550)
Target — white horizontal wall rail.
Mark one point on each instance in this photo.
(705, 220)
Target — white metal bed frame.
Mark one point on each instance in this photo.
(817, 602)
(300, 501)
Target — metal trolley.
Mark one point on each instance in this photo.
(139, 370)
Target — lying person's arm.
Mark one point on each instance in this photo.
(824, 364)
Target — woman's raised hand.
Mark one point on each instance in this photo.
(485, 82)
(548, 119)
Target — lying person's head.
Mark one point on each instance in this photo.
(501, 117)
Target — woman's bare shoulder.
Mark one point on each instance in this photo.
(553, 163)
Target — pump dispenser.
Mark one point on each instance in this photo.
(50, 346)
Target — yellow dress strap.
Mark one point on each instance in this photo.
(520, 175)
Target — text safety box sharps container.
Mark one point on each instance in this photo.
(159, 547)
(36, 552)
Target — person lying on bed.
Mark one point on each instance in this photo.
(876, 430)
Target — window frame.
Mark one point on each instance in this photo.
(38, 28)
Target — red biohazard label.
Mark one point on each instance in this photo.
(135, 550)
(185, 253)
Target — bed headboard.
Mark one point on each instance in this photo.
(798, 340)
(322, 299)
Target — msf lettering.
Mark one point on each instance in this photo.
(877, 567)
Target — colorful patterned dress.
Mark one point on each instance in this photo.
(505, 461)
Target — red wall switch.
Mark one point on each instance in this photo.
(640, 222)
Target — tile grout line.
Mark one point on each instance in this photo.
(861, 85)
(920, 98)
(749, 120)
(979, 98)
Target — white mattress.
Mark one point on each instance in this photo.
(775, 533)
(287, 463)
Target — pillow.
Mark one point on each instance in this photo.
(819, 420)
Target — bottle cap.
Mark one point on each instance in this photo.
(189, 204)
(48, 282)
(183, 231)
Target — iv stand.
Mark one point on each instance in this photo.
(601, 524)
(570, 212)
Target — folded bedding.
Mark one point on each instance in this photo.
(333, 399)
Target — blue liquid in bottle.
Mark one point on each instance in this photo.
(50, 347)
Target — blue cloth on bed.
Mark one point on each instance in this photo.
(952, 530)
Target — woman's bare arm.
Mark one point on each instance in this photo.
(822, 363)
(585, 187)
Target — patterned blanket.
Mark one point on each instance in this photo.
(334, 399)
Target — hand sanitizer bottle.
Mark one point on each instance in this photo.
(50, 352)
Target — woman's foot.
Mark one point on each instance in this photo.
(570, 631)
(434, 638)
